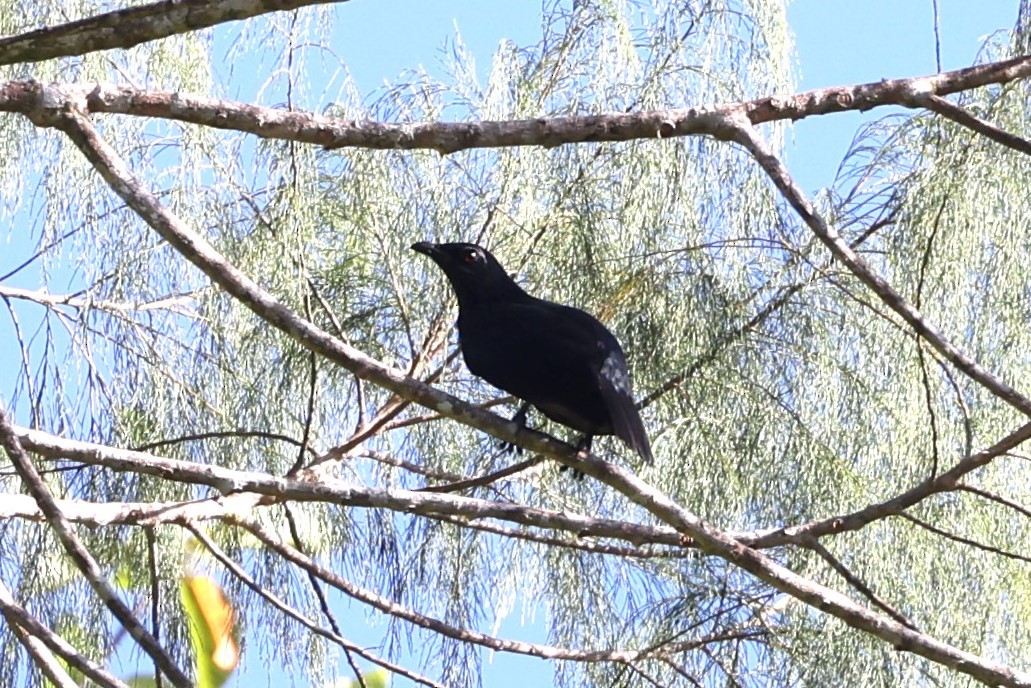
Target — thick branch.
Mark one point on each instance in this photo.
(249, 488)
(448, 137)
(420, 502)
(171, 303)
(248, 485)
(202, 254)
(99, 514)
(96, 514)
(135, 25)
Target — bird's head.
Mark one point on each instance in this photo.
(475, 275)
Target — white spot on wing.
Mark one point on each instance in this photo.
(612, 371)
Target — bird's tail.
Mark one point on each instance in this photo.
(626, 422)
(630, 429)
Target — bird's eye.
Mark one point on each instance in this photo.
(471, 256)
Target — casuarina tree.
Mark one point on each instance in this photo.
(240, 442)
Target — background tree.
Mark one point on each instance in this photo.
(237, 350)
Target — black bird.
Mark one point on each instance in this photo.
(559, 359)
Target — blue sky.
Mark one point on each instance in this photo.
(838, 42)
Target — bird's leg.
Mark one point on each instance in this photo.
(520, 415)
(519, 419)
(584, 445)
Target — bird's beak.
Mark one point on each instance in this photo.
(425, 248)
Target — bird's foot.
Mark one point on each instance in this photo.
(584, 445)
(520, 419)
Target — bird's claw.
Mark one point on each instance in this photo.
(509, 448)
(520, 420)
(573, 473)
(584, 445)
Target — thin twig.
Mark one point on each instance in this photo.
(309, 414)
(148, 446)
(859, 585)
(579, 543)
(962, 540)
(937, 35)
(676, 667)
(782, 297)
(480, 481)
(1023, 511)
(389, 460)
(961, 116)
(463, 634)
(925, 260)
(155, 597)
(320, 594)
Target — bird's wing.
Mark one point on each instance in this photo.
(603, 352)
(614, 382)
(539, 351)
(540, 329)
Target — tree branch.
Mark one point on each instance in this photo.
(333, 636)
(638, 552)
(94, 514)
(896, 505)
(480, 481)
(249, 487)
(33, 633)
(746, 135)
(170, 303)
(199, 252)
(704, 535)
(466, 635)
(81, 557)
(448, 137)
(1023, 511)
(946, 109)
(135, 25)
(858, 583)
(963, 540)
